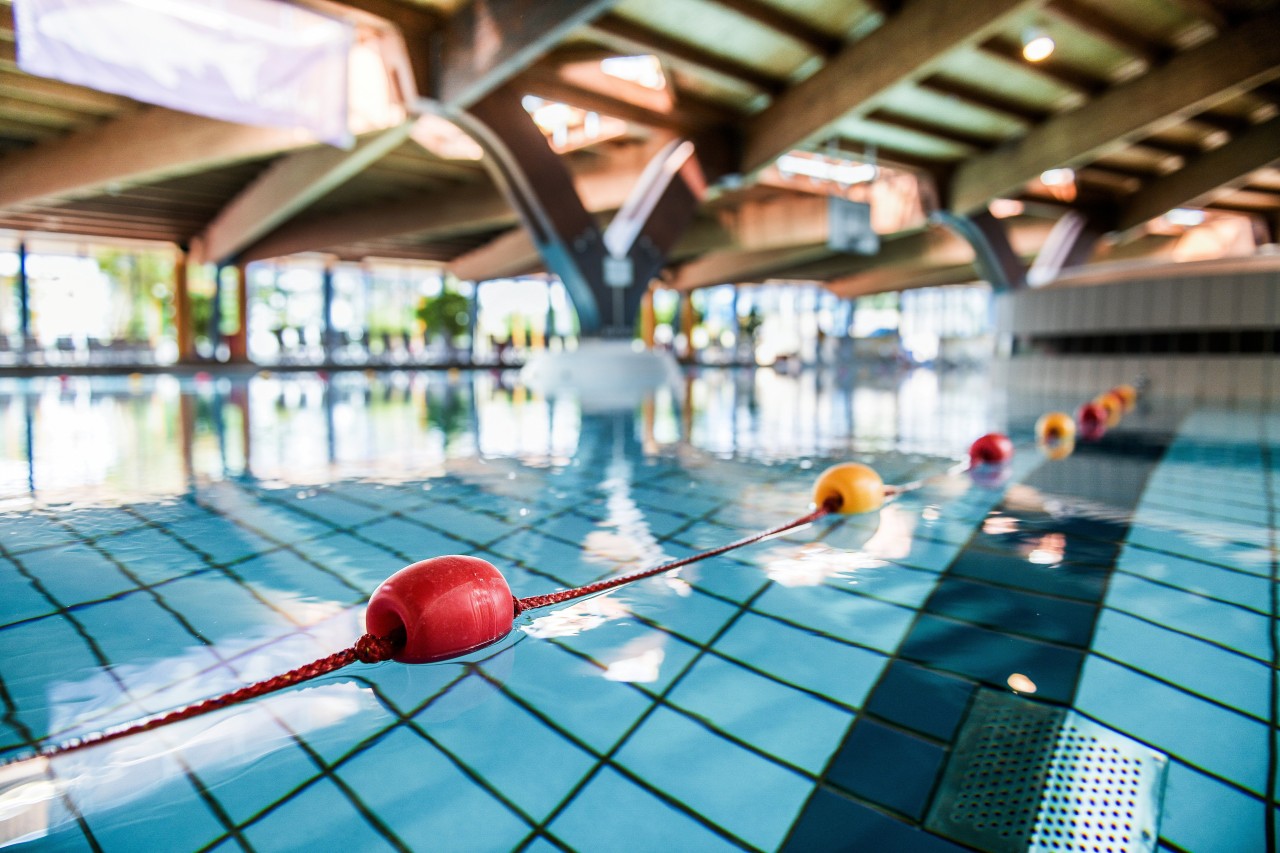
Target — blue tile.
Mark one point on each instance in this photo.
(32, 684)
(622, 645)
(921, 700)
(75, 573)
(392, 778)
(170, 817)
(464, 524)
(327, 507)
(637, 821)
(574, 694)
(991, 657)
(1053, 619)
(887, 767)
(21, 599)
(845, 673)
(1207, 816)
(1082, 582)
(285, 579)
(277, 768)
(360, 563)
(1222, 742)
(1234, 680)
(720, 781)
(774, 718)
(897, 584)
(473, 737)
(220, 540)
(832, 823)
(221, 610)
(151, 555)
(853, 618)
(1246, 590)
(318, 817)
(134, 629)
(1244, 631)
(23, 532)
(411, 542)
(696, 617)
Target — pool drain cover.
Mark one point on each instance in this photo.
(1026, 776)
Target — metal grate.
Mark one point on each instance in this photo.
(1027, 776)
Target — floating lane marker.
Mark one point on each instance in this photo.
(446, 607)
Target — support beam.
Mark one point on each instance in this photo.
(289, 186)
(149, 145)
(505, 256)
(907, 47)
(733, 266)
(1070, 244)
(1188, 84)
(467, 210)
(773, 17)
(994, 258)
(1213, 173)
(182, 316)
(488, 42)
(629, 37)
(238, 342)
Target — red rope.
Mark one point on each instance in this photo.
(368, 649)
(535, 601)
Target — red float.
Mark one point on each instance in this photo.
(443, 607)
(1092, 419)
(994, 448)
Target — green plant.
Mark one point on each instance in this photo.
(445, 315)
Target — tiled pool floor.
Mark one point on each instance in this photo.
(804, 693)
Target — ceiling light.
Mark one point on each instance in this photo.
(1057, 177)
(1037, 46)
(1184, 216)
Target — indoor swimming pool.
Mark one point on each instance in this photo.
(1076, 655)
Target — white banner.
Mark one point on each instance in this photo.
(257, 62)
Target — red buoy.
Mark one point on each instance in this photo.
(443, 607)
(1092, 419)
(994, 448)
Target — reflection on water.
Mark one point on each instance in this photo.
(93, 440)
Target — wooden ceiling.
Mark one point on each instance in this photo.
(1154, 103)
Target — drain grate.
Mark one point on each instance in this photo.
(1026, 776)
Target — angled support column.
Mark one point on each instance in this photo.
(606, 273)
(994, 257)
(1070, 243)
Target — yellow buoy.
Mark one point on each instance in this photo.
(857, 488)
(1114, 406)
(1056, 450)
(1055, 426)
(1128, 394)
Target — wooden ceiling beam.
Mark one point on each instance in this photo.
(1106, 28)
(906, 47)
(467, 209)
(1079, 83)
(488, 42)
(592, 89)
(1189, 83)
(932, 129)
(622, 34)
(967, 93)
(735, 266)
(505, 256)
(1213, 173)
(141, 147)
(789, 25)
(288, 186)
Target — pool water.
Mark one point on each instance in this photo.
(165, 541)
